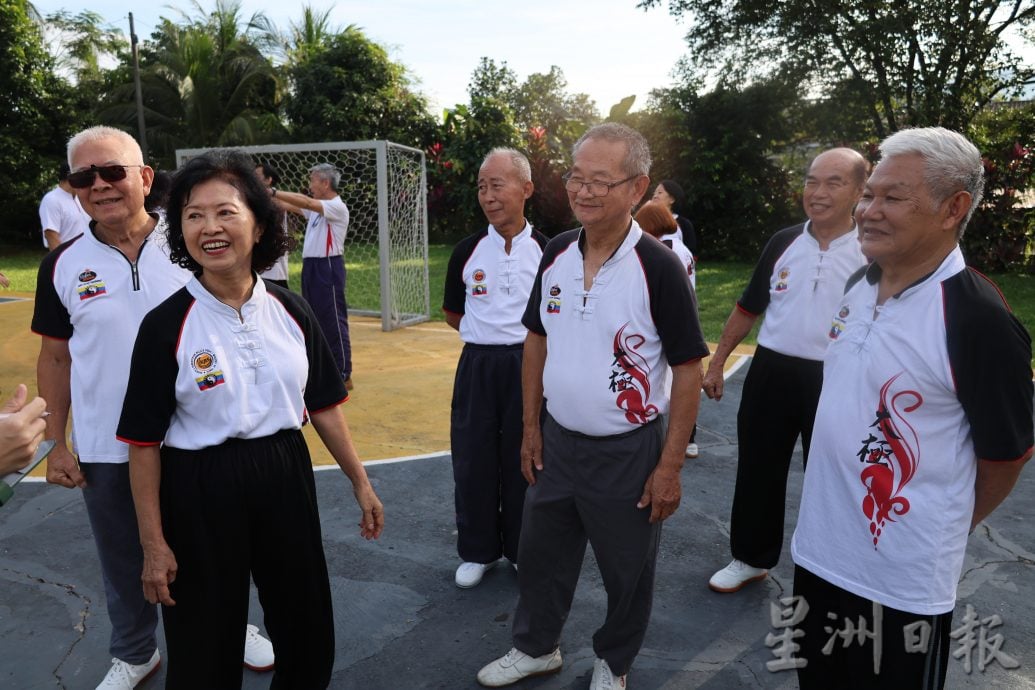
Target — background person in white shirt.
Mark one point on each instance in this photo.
(61, 215)
(323, 263)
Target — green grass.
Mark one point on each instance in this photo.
(718, 284)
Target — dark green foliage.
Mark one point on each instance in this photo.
(737, 195)
(37, 117)
(348, 89)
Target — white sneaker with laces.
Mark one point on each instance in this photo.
(691, 451)
(126, 676)
(258, 651)
(515, 665)
(736, 575)
(603, 679)
(470, 574)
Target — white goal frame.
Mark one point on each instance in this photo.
(385, 186)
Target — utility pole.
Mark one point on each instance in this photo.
(142, 136)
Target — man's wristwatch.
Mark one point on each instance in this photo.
(273, 191)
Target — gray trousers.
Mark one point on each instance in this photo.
(588, 490)
(109, 504)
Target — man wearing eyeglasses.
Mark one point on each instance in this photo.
(602, 446)
(91, 294)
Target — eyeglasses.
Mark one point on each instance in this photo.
(109, 173)
(595, 188)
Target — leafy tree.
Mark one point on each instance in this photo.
(1003, 227)
(205, 82)
(912, 62)
(344, 87)
(738, 195)
(35, 121)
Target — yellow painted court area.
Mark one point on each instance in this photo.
(400, 405)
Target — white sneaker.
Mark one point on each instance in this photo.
(691, 451)
(735, 575)
(258, 651)
(470, 574)
(125, 676)
(603, 679)
(515, 665)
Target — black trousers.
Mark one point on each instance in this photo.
(485, 443)
(897, 650)
(245, 507)
(778, 405)
(588, 490)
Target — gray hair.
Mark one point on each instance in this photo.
(951, 163)
(101, 132)
(327, 173)
(517, 159)
(637, 156)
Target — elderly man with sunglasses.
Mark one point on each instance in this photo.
(91, 295)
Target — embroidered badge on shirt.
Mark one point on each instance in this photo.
(204, 363)
(479, 275)
(839, 323)
(781, 284)
(89, 285)
(479, 290)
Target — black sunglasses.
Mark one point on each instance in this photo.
(109, 173)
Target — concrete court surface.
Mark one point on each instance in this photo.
(401, 622)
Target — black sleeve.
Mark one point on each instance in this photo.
(990, 354)
(755, 299)
(540, 239)
(689, 234)
(151, 394)
(454, 298)
(324, 386)
(673, 305)
(50, 318)
(532, 318)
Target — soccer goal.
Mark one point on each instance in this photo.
(386, 249)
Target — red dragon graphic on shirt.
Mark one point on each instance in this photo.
(630, 378)
(891, 458)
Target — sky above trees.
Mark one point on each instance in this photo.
(607, 49)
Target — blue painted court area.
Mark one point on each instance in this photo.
(402, 623)
(11, 299)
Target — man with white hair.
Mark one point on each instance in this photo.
(603, 446)
(323, 264)
(488, 281)
(91, 294)
(923, 425)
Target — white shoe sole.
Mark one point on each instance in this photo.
(737, 588)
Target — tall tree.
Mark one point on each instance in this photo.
(36, 120)
(909, 62)
(346, 88)
(206, 82)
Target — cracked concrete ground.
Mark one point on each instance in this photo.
(401, 623)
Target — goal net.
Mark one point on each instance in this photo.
(386, 248)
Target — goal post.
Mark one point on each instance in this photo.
(384, 186)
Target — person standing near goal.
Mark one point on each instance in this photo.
(323, 264)
(488, 282)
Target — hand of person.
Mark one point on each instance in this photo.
(713, 382)
(531, 453)
(21, 430)
(662, 492)
(62, 469)
(159, 572)
(373, 522)
(4, 282)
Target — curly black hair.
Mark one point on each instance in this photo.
(238, 170)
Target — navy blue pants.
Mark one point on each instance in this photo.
(323, 286)
(113, 519)
(245, 507)
(485, 442)
(778, 405)
(588, 490)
